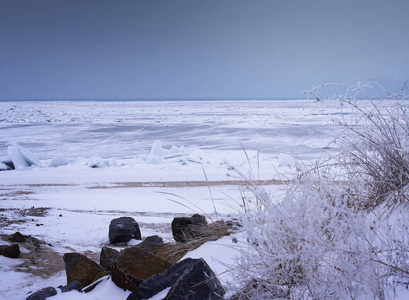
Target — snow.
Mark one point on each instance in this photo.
(106, 290)
(285, 160)
(161, 295)
(3, 167)
(148, 160)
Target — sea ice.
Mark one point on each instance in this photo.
(58, 160)
(159, 154)
(94, 161)
(22, 158)
(157, 148)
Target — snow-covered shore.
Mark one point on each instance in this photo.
(121, 158)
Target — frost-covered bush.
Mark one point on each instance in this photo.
(329, 236)
(376, 155)
(311, 245)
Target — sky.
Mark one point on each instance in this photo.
(196, 49)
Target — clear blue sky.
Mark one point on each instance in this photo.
(86, 49)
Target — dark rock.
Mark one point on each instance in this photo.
(190, 279)
(185, 229)
(17, 238)
(151, 244)
(73, 285)
(150, 241)
(135, 265)
(81, 268)
(108, 258)
(12, 251)
(197, 282)
(198, 219)
(122, 230)
(159, 282)
(43, 294)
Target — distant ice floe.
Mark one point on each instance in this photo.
(20, 158)
(159, 154)
(95, 162)
(58, 160)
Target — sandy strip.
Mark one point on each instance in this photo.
(188, 183)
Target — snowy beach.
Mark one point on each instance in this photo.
(149, 160)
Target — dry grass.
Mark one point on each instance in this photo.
(173, 252)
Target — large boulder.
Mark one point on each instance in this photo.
(135, 265)
(188, 279)
(80, 268)
(122, 230)
(12, 251)
(185, 229)
(108, 258)
(197, 282)
(159, 282)
(43, 294)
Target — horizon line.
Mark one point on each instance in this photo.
(162, 99)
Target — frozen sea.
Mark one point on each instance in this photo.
(126, 129)
(152, 160)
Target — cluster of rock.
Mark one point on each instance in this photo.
(13, 250)
(152, 266)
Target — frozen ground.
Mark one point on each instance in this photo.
(149, 160)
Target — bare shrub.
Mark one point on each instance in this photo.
(376, 155)
(307, 245)
(329, 237)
